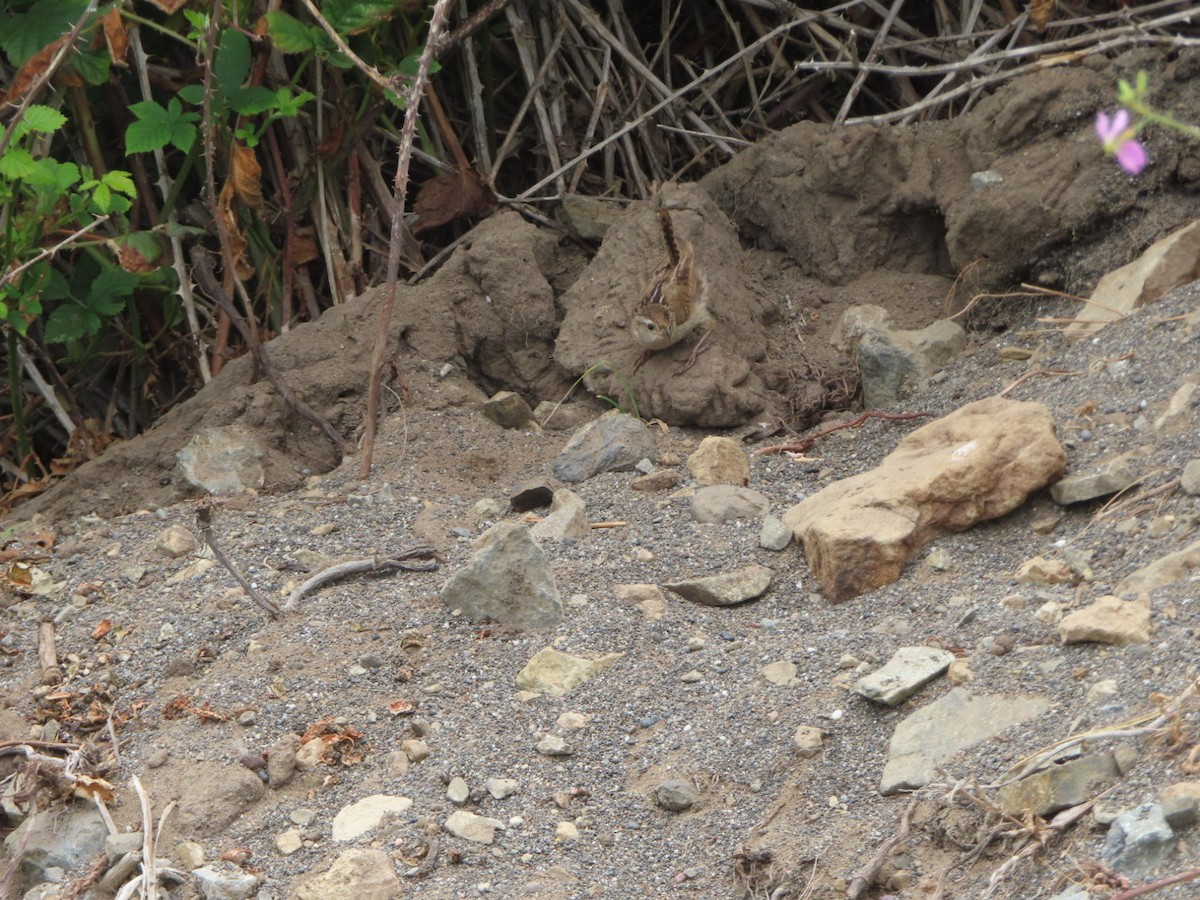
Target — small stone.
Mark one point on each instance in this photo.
(302, 817)
(189, 854)
(960, 672)
(647, 597)
(175, 542)
(808, 741)
(692, 677)
(675, 795)
(470, 827)
(1013, 601)
(365, 815)
(938, 559)
(508, 410)
(224, 881)
(909, 669)
(157, 759)
(1101, 690)
(566, 832)
(1076, 489)
(1181, 812)
(726, 503)
(1049, 613)
(781, 673)
(1189, 480)
(457, 792)
(553, 745)
(774, 535)
(660, 480)
(289, 841)
(357, 874)
(719, 460)
(1110, 620)
(487, 508)
(724, 590)
(573, 721)
(1139, 841)
(1046, 571)
(500, 788)
(553, 672)
(416, 750)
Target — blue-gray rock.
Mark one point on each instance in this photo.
(1116, 476)
(675, 795)
(509, 581)
(1060, 786)
(725, 503)
(1181, 812)
(613, 443)
(909, 669)
(1139, 841)
(57, 839)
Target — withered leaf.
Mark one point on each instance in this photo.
(247, 175)
(116, 36)
(34, 67)
(102, 629)
(447, 198)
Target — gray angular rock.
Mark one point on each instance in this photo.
(612, 443)
(1078, 488)
(725, 503)
(894, 362)
(1189, 480)
(364, 815)
(719, 460)
(553, 672)
(909, 669)
(1181, 812)
(1139, 841)
(509, 581)
(470, 827)
(1109, 620)
(214, 795)
(567, 520)
(281, 760)
(1163, 571)
(223, 461)
(774, 535)
(57, 839)
(726, 589)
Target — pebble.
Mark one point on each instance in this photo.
(553, 745)
(675, 795)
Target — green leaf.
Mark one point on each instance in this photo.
(70, 322)
(289, 34)
(356, 16)
(43, 119)
(44, 174)
(102, 197)
(17, 162)
(232, 64)
(144, 243)
(289, 105)
(93, 65)
(156, 127)
(21, 36)
(250, 101)
(55, 286)
(109, 290)
(121, 182)
(191, 93)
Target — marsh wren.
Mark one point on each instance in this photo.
(675, 301)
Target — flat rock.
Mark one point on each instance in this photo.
(500, 788)
(909, 669)
(726, 503)
(470, 827)
(223, 460)
(1117, 476)
(1165, 265)
(509, 581)
(612, 443)
(1040, 570)
(726, 589)
(1110, 620)
(950, 724)
(1163, 571)
(659, 480)
(508, 410)
(553, 672)
(360, 817)
(361, 874)
(975, 464)
(214, 795)
(1060, 786)
(719, 460)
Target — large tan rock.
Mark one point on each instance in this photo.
(975, 464)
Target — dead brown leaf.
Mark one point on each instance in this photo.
(34, 67)
(247, 176)
(450, 197)
(102, 629)
(116, 36)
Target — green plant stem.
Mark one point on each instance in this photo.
(185, 169)
(129, 14)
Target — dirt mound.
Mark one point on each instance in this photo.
(792, 232)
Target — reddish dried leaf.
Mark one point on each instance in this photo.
(402, 707)
(206, 713)
(237, 241)
(237, 856)
(304, 247)
(102, 629)
(247, 176)
(447, 198)
(89, 788)
(116, 36)
(28, 73)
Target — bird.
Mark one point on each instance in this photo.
(674, 303)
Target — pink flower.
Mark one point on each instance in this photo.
(1120, 141)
